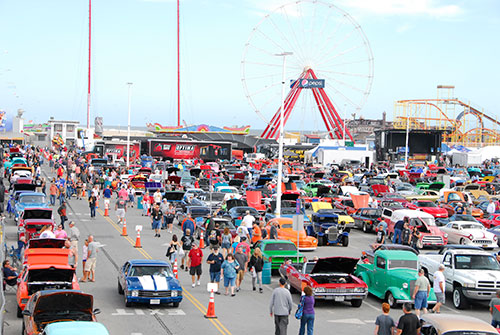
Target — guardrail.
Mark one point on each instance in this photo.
(2, 258)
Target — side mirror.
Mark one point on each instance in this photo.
(447, 264)
(26, 312)
(97, 311)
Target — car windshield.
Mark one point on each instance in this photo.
(348, 203)
(32, 199)
(146, 270)
(215, 196)
(225, 224)
(288, 210)
(402, 264)
(426, 204)
(372, 212)
(242, 210)
(429, 221)
(454, 197)
(471, 226)
(476, 262)
(280, 247)
(326, 219)
(286, 226)
(463, 217)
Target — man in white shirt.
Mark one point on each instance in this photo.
(157, 196)
(491, 207)
(248, 221)
(439, 288)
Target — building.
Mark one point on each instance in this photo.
(64, 128)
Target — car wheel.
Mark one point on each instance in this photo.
(120, 289)
(463, 241)
(364, 228)
(321, 240)
(459, 299)
(390, 299)
(127, 302)
(176, 304)
(356, 302)
(19, 312)
(345, 241)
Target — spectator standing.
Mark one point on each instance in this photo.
(106, 194)
(226, 241)
(92, 205)
(248, 221)
(242, 260)
(229, 270)
(256, 264)
(273, 231)
(242, 231)
(164, 209)
(280, 307)
(491, 207)
(85, 252)
(494, 310)
(256, 233)
(307, 320)
(195, 257)
(382, 231)
(187, 243)
(60, 233)
(157, 197)
(90, 264)
(73, 254)
(156, 216)
(439, 288)
(215, 259)
(406, 234)
(421, 292)
(120, 209)
(408, 324)
(172, 249)
(62, 213)
(398, 229)
(188, 223)
(384, 324)
(74, 234)
(415, 238)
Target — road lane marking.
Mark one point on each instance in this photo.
(121, 311)
(217, 324)
(139, 312)
(155, 312)
(349, 321)
(370, 305)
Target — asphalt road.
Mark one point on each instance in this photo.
(246, 313)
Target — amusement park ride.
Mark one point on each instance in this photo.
(462, 123)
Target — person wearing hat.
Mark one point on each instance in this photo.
(74, 235)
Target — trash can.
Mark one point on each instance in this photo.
(266, 273)
(139, 202)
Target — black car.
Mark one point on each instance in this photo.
(367, 218)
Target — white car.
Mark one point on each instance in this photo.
(469, 233)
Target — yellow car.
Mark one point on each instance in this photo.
(452, 324)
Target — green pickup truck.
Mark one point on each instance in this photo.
(391, 275)
(276, 251)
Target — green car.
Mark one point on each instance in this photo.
(391, 275)
(277, 250)
(315, 189)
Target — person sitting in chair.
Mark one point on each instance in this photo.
(9, 273)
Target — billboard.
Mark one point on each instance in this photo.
(190, 150)
(119, 150)
(309, 83)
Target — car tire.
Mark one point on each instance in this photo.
(364, 228)
(356, 302)
(120, 289)
(459, 299)
(19, 313)
(176, 304)
(345, 241)
(321, 240)
(390, 300)
(463, 241)
(127, 302)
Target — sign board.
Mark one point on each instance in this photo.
(138, 228)
(298, 222)
(212, 287)
(309, 83)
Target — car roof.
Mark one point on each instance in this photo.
(83, 327)
(402, 254)
(146, 262)
(450, 322)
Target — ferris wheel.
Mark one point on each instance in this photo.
(330, 69)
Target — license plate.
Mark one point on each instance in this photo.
(485, 246)
(339, 298)
(154, 301)
(328, 297)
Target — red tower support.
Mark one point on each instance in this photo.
(333, 122)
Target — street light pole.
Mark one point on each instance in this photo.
(407, 139)
(280, 150)
(128, 128)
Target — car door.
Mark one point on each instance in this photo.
(122, 277)
(448, 270)
(379, 275)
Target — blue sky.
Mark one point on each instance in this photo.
(416, 45)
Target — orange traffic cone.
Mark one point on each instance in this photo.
(106, 209)
(138, 240)
(175, 269)
(202, 242)
(124, 230)
(211, 307)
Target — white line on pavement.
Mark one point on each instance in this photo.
(450, 309)
(139, 312)
(349, 321)
(373, 307)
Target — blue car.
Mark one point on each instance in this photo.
(149, 282)
(29, 200)
(76, 328)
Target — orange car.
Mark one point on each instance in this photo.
(286, 232)
(46, 269)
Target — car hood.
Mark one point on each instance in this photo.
(64, 301)
(46, 243)
(477, 233)
(473, 275)
(152, 283)
(173, 196)
(335, 264)
(37, 213)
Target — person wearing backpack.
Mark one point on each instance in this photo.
(307, 319)
(186, 243)
(226, 241)
(62, 213)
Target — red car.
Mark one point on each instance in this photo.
(32, 220)
(345, 204)
(490, 220)
(331, 278)
(429, 207)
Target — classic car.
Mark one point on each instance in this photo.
(454, 324)
(138, 183)
(449, 200)
(328, 229)
(495, 230)
(468, 232)
(429, 207)
(331, 279)
(367, 218)
(49, 306)
(391, 275)
(490, 220)
(75, 328)
(368, 256)
(286, 232)
(276, 251)
(29, 200)
(149, 281)
(32, 220)
(45, 269)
